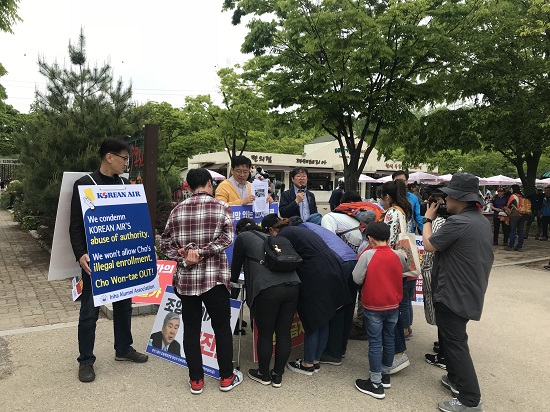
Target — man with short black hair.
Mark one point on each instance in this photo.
(298, 201)
(114, 159)
(462, 263)
(237, 190)
(197, 233)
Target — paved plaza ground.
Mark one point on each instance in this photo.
(38, 350)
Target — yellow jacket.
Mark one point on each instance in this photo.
(226, 192)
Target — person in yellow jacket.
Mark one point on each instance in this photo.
(237, 190)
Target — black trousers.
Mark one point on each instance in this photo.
(274, 310)
(340, 324)
(460, 367)
(216, 301)
(87, 321)
(496, 229)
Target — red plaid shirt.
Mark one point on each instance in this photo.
(208, 222)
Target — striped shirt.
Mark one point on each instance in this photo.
(208, 223)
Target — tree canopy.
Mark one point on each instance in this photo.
(497, 91)
(79, 108)
(351, 67)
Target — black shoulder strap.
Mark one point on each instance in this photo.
(263, 238)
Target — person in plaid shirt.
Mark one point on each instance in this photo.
(197, 233)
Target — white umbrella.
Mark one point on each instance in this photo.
(445, 178)
(367, 179)
(498, 180)
(422, 177)
(384, 179)
(216, 175)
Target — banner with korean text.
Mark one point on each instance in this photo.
(241, 212)
(121, 245)
(165, 273)
(166, 339)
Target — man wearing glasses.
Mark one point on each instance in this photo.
(236, 190)
(114, 159)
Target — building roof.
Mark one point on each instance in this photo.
(322, 139)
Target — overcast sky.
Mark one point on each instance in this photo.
(168, 49)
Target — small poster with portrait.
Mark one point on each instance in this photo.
(166, 339)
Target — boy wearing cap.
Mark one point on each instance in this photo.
(380, 270)
(498, 203)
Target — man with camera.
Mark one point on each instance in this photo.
(298, 201)
(462, 263)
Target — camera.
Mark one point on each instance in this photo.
(441, 210)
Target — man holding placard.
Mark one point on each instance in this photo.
(114, 158)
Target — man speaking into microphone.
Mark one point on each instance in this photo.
(298, 201)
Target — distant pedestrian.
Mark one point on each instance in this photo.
(517, 220)
(336, 196)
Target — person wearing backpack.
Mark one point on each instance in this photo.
(272, 298)
(517, 219)
(323, 288)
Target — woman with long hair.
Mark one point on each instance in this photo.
(323, 288)
(393, 197)
(272, 298)
(517, 220)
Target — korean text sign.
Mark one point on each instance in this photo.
(241, 212)
(120, 241)
(161, 342)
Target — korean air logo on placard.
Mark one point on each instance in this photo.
(112, 195)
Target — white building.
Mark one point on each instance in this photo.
(322, 157)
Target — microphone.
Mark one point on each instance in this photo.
(303, 188)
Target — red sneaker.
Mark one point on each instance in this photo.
(196, 386)
(226, 384)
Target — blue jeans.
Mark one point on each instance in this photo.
(380, 328)
(405, 307)
(516, 226)
(315, 343)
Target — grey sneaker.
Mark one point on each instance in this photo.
(447, 384)
(454, 405)
(400, 362)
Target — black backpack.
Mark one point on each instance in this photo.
(279, 255)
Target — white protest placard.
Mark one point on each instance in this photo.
(167, 344)
(260, 192)
(120, 241)
(63, 264)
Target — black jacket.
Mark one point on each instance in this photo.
(288, 206)
(76, 226)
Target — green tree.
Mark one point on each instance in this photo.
(8, 17)
(497, 90)
(10, 124)
(79, 108)
(349, 67)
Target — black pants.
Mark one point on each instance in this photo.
(87, 321)
(216, 301)
(274, 310)
(545, 221)
(496, 228)
(340, 324)
(460, 367)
